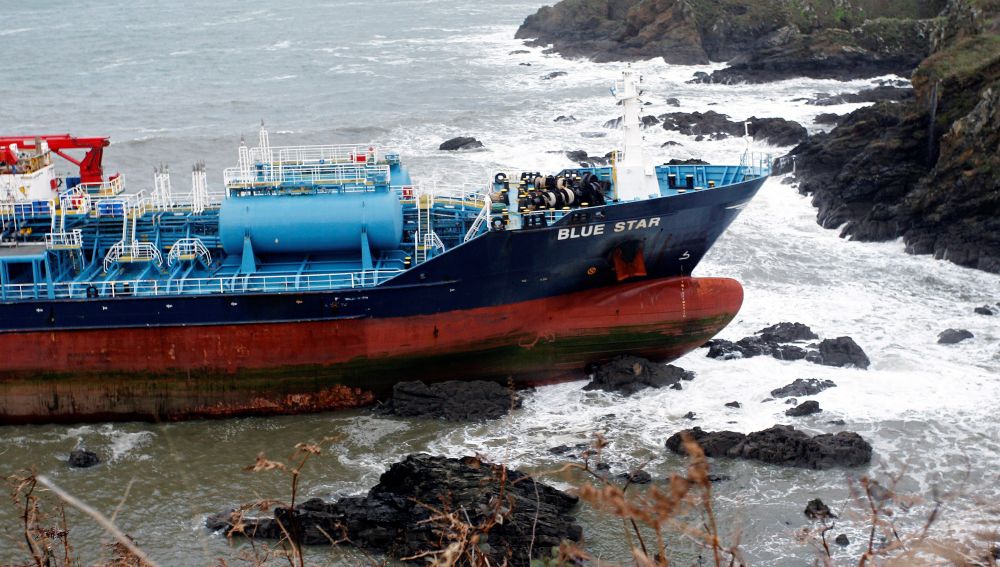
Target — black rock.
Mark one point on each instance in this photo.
(792, 401)
(676, 386)
(803, 387)
(985, 310)
(82, 459)
(525, 64)
(805, 408)
(691, 415)
(787, 333)
(553, 75)
(629, 374)
(461, 143)
(842, 351)
(577, 155)
(563, 118)
(733, 405)
(782, 445)
(828, 118)
(719, 477)
(714, 444)
(689, 161)
(518, 52)
(560, 449)
(396, 516)
(670, 143)
(817, 510)
(880, 93)
(672, 102)
(953, 336)
(454, 400)
(788, 352)
(842, 540)
(637, 476)
(836, 422)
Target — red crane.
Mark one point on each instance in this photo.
(90, 166)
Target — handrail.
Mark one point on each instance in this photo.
(237, 284)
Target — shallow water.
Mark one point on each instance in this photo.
(178, 84)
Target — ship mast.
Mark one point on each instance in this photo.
(635, 175)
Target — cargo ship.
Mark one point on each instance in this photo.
(323, 275)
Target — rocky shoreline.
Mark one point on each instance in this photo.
(920, 165)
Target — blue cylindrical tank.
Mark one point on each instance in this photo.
(311, 224)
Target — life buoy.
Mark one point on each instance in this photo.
(92, 292)
(497, 223)
(500, 177)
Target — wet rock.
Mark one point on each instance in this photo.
(629, 374)
(637, 476)
(714, 443)
(842, 54)
(787, 333)
(953, 336)
(645, 122)
(519, 52)
(461, 143)
(525, 64)
(734, 405)
(842, 351)
(719, 477)
(803, 387)
(877, 94)
(985, 310)
(817, 510)
(789, 352)
(82, 459)
(564, 118)
(838, 422)
(805, 408)
(454, 400)
(792, 402)
(676, 386)
(782, 445)
(396, 516)
(560, 449)
(691, 415)
(689, 161)
(670, 144)
(554, 75)
(828, 118)
(842, 540)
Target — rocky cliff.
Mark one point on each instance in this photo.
(763, 40)
(926, 170)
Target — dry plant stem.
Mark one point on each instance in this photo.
(29, 499)
(97, 517)
(67, 550)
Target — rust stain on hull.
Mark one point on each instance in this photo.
(169, 373)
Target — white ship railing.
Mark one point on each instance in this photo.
(481, 219)
(72, 240)
(234, 285)
(108, 188)
(292, 155)
(365, 176)
(189, 249)
(129, 252)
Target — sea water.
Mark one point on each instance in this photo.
(177, 83)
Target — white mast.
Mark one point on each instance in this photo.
(635, 176)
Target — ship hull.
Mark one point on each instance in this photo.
(171, 372)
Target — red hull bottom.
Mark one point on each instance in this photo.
(170, 373)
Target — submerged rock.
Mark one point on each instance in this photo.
(629, 374)
(842, 540)
(564, 118)
(953, 336)
(787, 333)
(803, 387)
(637, 476)
(985, 310)
(842, 351)
(82, 459)
(454, 400)
(877, 94)
(461, 143)
(817, 510)
(397, 516)
(735, 405)
(805, 408)
(781, 445)
(553, 75)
